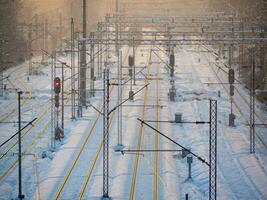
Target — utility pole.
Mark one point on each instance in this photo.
(83, 63)
(20, 196)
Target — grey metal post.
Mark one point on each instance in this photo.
(72, 72)
(213, 151)
(20, 196)
(252, 106)
(98, 50)
(30, 48)
(1, 78)
(43, 41)
(120, 86)
(60, 31)
(62, 98)
(116, 26)
(101, 55)
(79, 110)
(106, 136)
(231, 115)
(36, 30)
(189, 162)
(83, 60)
(134, 62)
(92, 67)
(119, 145)
(52, 145)
(46, 38)
(262, 64)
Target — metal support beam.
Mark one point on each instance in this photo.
(213, 151)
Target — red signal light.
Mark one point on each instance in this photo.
(57, 85)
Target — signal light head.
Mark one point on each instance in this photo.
(57, 85)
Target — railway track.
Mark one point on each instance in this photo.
(7, 116)
(229, 147)
(238, 107)
(7, 104)
(228, 151)
(156, 142)
(33, 141)
(139, 142)
(30, 143)
(239, 92)
(78, 156)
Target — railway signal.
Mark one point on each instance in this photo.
(231, 76)
(131, 61)
(56, 100)
(57, 85)
(172, 60)
(231, 79)
(232, 89)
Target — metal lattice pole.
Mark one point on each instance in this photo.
(30, 49)
(101, 55)
(62, 98)
(92, 73)
(106, 134)
(98, 55)
(72, 72)
(79, 110)
(1, 81)
(252, 107)
(213, 151)
(120, 100)
(46, 39)
(20, 196)
(52, 145)
(83, 61)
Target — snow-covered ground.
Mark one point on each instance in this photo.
(74, 170)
